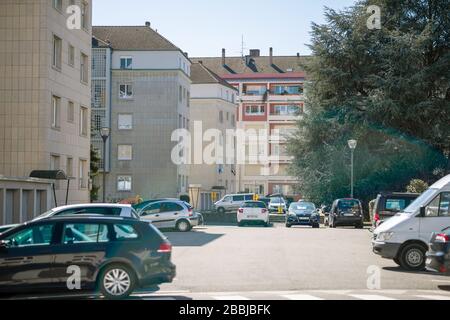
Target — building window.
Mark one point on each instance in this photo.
(255, 110)
(125, 121)
(84, 68)
(57, 52)
(124, 183)
(180, 93)
(286, 110)
(57, 4)
(83, 121)
(188, 99)
(71, 55)
(233, 120)
(82, 174)
(221, 116)
(84, 15)
(70, 111)
(124, 152)
(69, 167)
(126, 63)
(287, 89)
(56, 109)
(125, 91)
(255, 90)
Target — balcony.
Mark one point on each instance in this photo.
(284, 118)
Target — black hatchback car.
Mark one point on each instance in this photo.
(114, 255)
(438, 257)
(346, 212)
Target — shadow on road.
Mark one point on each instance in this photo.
(424, 272)
(192, 239)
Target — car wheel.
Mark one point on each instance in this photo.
(183, 226)
(267, 224)
(359, 226)
(117, 282)
(316, 226)
(412, 257)
(288, 225)
(221, 210)
(397, 261)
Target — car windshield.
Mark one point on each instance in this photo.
(420, 201)
(254, 205)
(277, 200)
(302, 206)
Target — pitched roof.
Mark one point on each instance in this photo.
(202, 75)
(258, 65)
(133, 38)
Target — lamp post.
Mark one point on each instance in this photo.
(352, 145)
(104, 132)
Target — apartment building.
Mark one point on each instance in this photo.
(141, 91)
(271, 97)
(213, 107)
(44, 99)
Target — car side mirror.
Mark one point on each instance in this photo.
(422, 213)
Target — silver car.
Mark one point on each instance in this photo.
(103, 209)
(170, 214)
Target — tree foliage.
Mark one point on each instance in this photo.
(94, 169)
(387, 88)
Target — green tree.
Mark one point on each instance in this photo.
(387, 88)
(94, 170)
(417, 186)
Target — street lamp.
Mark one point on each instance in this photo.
(352, 145)
(104, 132)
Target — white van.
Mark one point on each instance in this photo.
(232, 202)
(405, 237)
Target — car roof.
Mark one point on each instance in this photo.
(399, 194)
(444, 183)
(93, 205)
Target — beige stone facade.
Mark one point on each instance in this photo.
(44, 102)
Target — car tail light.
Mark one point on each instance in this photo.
(191, 212)
(165, 247)
(241, 210)
(442, 238)
(443, 269)
(376, 217)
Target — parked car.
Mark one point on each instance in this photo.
(346, 212)
(170, 214)
(266, 200)
(253, 211)
(114, 255)
(276, 203)
(388, 204)
(138, 207)
(103, 209)
(303, 214)
(404, 238)
(438, 257)
(3, 229)
(232, 202)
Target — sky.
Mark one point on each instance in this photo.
(203, 27)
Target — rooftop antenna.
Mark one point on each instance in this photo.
(242, 47)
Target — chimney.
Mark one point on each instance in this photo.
(271, 55)
(298, 54)
(147, 24)
(186, 54)
(254, 53)
(223, 57)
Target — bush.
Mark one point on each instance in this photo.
(417, 186)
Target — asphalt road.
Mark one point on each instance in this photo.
(227, 259)
(257, 263)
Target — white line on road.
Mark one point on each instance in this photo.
(303, 297)
(372, 297)
(225, 298)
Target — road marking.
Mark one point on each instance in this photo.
(370, 297)
(434, 297)
(436, 280)
(230, 298)
(301, 297)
